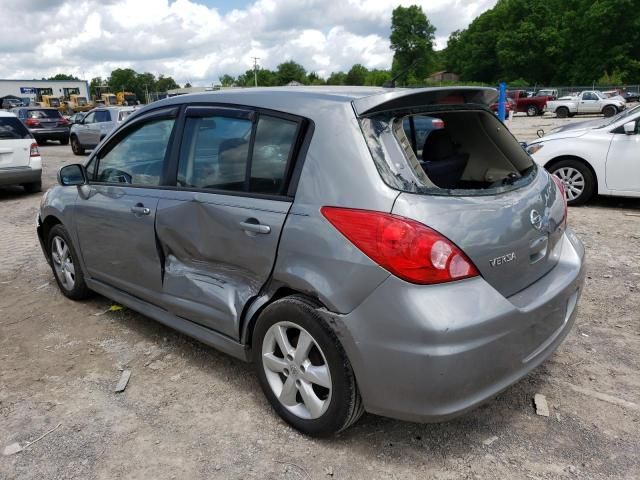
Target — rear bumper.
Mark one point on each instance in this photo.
(19, 175)
(49, 133)
(428, 353)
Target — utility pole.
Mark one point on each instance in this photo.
(255, 69)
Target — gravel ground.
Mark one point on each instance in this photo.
(191, 412)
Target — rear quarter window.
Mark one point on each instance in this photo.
(12, 129)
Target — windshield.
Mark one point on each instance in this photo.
(51, 113)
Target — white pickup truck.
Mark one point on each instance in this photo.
(590, 101)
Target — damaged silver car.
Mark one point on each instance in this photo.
(382, 250)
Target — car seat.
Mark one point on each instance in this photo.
(441, 161)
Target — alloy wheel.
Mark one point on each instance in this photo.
(296, 370)
(63, 262)
(573, 181)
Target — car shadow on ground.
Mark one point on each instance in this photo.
(624, 203)
(15, 193)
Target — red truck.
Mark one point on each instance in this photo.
(531, 105)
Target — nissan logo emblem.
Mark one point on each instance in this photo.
(536, 219)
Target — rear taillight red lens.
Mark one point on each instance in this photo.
(31, 122)
(34, 152)
(406, 248)
(63, 121)
(563, 193)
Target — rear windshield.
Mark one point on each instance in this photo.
(11, 128)
(43, 113)
(454, 151)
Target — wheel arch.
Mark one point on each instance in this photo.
(557, 159)
(47, 224)
(255, 308)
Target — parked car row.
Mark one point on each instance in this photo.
(587, 102)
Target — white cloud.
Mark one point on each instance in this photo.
(192, 42)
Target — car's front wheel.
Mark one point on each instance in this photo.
(562, 112)
(579, 182)
(609, 111)
(532, 111)
(64, 262)
(303, 370)
(75, 146)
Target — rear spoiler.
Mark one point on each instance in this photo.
(400, 99)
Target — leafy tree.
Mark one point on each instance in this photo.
(356, 75)
(266, 78)
(377, 78)
(226, 80)
(123, 79)
(337, 78)
(314, 79)
(187, 85)
(63, 76)
(411, 39)
(290, 71)
(96, 86)
(164, 84)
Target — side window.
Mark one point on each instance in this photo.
(102, 116)
(138, 157)
(589, 96)
(214, 153)
(275, 138)
(90, 118)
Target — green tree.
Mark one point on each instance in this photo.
(377, 78)
(411, 39)
(289, 72)
(337, 78)
(187, 85)
(63, 76)
(356, 75)
(314, 79)
(96, 86)
(123, 79)
(164, 84)
(226, 80)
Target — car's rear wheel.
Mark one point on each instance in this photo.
(532, 111)
(76, 148)
(303, 370)
(609, 111)
(33, 187)
(562, 112)
(64, 262)
(579, 182)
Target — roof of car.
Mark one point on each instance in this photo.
(365, 99)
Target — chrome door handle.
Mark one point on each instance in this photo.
(140, 210)
(254, 227)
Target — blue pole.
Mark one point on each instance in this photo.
(502, 100)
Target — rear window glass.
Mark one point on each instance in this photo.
(457, 152)
(13, 129)
(43, 114)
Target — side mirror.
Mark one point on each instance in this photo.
(630, 128)
(74, 174)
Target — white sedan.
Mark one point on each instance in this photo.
(599, 156)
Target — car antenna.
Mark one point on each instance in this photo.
(392, 83)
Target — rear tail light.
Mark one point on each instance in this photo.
(563, 193)
(63, 121)
(34, 152)
(31, 122)
(404, 247)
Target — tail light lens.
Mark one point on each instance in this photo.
(31, 122)
(63, 121)
(34, 152)
(563, 193)
(404, 247)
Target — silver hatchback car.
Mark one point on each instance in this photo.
(309, 231)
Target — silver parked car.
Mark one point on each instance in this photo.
(383, 250)
(89, 130)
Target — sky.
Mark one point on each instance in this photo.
(197, 41)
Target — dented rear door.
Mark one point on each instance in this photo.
(218, 231)
(218, 252)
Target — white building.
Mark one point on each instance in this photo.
(34, 89)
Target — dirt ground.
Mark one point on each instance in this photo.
(191, 412)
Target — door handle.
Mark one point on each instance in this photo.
(252, 225)
(140, 210)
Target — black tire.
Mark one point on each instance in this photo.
(64, 141)
(76, 148)
(562, 112)
(33, 187)
(609, 111)
(587, 174)
(345, 404)
(532, 111)
(79, 289)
